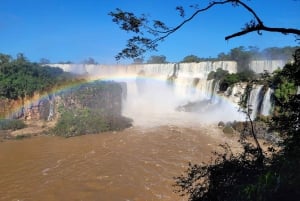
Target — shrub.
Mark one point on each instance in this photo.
(11, 124)
(79, 122)
(228, 130)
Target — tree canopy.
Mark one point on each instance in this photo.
(157, 59)
(20, 77)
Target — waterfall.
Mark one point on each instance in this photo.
(214, 99)
(155, 91)
(259, 66)
(254, 100)
(209, 89)
(266, 104)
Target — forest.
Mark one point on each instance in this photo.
(20, 78)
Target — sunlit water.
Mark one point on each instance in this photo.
(135, 164)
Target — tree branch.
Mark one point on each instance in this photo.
(264, 28)
(251, 11)
(170, 31)
(159, 31)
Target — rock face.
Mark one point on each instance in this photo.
(102, 98)
(36, 108)
(261, 130)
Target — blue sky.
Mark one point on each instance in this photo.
(69, 30)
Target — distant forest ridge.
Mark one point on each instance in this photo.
(235, 54)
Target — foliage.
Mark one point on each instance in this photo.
(242, 57)
(284, 91)
(90, 108)
(11, 124)
(21, 137)
(225, 178)
(218, 75)
(228, 130)
(138, 60)
(78, 122)
(20, 78)
(190, 59)
(229, 79)
(157, 59)
(285, 83)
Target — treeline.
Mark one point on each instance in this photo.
(20, 78)
(242, 55)
(248, 53)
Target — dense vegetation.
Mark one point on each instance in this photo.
(20, 78)
(228, 79)
(157, 59)
(91, 108)
(11, 124)
(79, 122)
(242, 55)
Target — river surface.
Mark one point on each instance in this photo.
(130, 165)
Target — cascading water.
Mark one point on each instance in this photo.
(214, 97)
(254, 100)
(266, 107)
(155, 91)
(209, 89)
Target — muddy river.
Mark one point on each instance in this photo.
(134, 164)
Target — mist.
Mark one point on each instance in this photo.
(151, 100)
(152, 103)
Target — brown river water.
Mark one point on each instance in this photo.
(130, 165)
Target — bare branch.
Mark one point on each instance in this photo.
(251, 11)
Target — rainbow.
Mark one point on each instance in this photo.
(119, 77)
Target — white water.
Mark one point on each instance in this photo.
(151, 101)
(266, 104)
(259, 66)
(254, 99)
(151, 97)
(214, 97)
